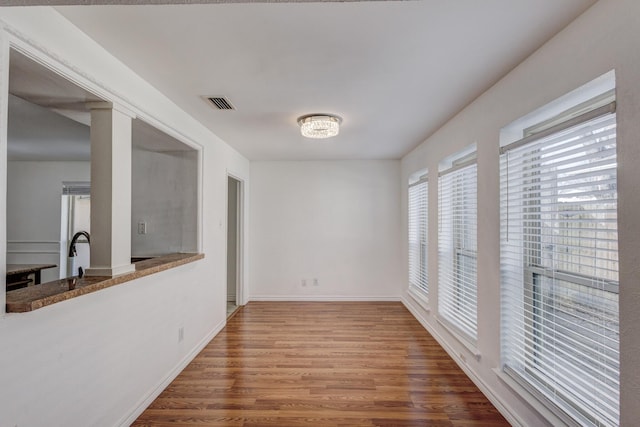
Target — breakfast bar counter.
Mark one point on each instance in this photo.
(35, 297)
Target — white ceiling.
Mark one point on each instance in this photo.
(54, 138)
(395, 71)
(47, 117)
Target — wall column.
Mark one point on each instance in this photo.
(4, 120)
(110, 190)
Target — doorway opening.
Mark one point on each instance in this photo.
(234, 245)
(75, 219)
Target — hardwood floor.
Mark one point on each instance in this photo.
(322, 364)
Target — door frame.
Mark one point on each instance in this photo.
(240, 236)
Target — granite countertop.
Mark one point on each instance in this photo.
(38, 296)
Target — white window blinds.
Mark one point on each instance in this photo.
(457, 247)
(418, 220)
(559, 267)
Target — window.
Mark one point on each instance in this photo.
(457, 247)
(559, 266)
(418, 220)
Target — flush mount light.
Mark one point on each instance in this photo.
(319, 126)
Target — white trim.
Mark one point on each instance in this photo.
(33, 247)
(458, 166)
(9, 251)
(111, 272)
(458, 160)
(542, 409)
(200, 199)
(139, 408)
(4, 96)
(514, 130)
(453, 331)
(420, 298)
(106, 105)
(241, 243)
(34, 241)
(322, 298)
(583, 118)
(418, 176)
(503, 407)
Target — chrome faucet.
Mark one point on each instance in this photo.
(74, 240)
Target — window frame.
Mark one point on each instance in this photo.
(534, 272)
(418, 181)
(454, 305)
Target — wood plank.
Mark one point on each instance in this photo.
(322, 364)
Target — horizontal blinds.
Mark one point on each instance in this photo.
(457, 247)
(418, 196)
(559, 268)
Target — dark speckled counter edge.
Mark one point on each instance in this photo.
(38, 296)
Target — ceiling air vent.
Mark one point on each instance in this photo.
(221, 103)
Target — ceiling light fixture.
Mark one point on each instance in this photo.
(319, 126)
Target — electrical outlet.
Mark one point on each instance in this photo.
(315, 282)
(180, 333)
(142, 227)
(303, 282)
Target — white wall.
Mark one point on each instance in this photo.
(34, 196)
(604, 38)
(99, 359)
(335, 221)
(164, 196)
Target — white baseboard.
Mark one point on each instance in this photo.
(504, 408)
(322, 298)
(139, 408)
